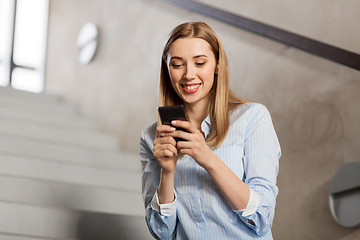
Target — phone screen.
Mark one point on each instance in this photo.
(170, 113)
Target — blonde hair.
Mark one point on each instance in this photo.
(222, 100)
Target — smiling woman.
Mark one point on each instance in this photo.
(192, 65)
(219, 180)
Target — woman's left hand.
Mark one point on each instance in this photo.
(193, 142)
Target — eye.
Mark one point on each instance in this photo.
(177, 65)
(200, 63)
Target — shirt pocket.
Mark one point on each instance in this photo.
(232, 156)
(191, 204)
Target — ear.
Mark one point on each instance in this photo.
(217, 69)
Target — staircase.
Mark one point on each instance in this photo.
(60, 178)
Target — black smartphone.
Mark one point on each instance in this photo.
(170, 113)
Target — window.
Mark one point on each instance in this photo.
(23, 31)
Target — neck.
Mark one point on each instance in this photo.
(196, 113)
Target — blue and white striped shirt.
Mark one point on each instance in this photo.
(251, 150)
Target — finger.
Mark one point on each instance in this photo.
(181, 134)
(185, 151)
(185, 145)
(167, 153)
(165, 140)
(161, 130)
(163, 155)
(165, 150)
(165, 128)
(184, 124)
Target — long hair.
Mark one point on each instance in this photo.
(222, 100)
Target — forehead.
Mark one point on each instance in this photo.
(183, 47)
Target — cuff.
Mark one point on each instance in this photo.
(253, 204)
(166, 209)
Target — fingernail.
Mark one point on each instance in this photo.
(173, 122)
(162, 134)
(173, 129)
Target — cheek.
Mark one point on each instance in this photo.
(175, 76)
(173, 80)
(208, 75)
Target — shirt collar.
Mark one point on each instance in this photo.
(207, 120)
(206, 126)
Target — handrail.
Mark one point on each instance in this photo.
(312, 46)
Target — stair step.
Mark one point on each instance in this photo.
(24, 96)
(70, 196)
(38, 222)
(18, 237)
(68, 173)
(48, 223)
(60, 178)
(35, 131)
(59, 107)
(52, 152)
(95, 226)
(41, 108)
(56, 119)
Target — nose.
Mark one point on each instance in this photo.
(189, 73)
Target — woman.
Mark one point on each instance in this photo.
(219, 182)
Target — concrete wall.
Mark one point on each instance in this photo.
(328, 21)
(314, 102)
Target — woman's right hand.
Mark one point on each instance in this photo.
(165, 151)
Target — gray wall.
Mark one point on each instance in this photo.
(314, 102)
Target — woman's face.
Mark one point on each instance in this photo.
(192, 66)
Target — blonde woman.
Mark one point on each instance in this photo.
(219, 181)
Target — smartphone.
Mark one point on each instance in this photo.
(170, 113)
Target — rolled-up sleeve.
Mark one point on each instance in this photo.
(160, 226)
(261, 165)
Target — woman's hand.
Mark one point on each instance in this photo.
(236, 192)
(194, 143)
(165, 151)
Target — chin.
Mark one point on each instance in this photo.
(190, 101)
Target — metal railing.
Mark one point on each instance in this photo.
(312, 46)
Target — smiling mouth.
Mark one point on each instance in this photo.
(190, 88)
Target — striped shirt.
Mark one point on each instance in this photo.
(251, 150)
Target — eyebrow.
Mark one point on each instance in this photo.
(197, 56)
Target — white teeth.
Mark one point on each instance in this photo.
(191, 87)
